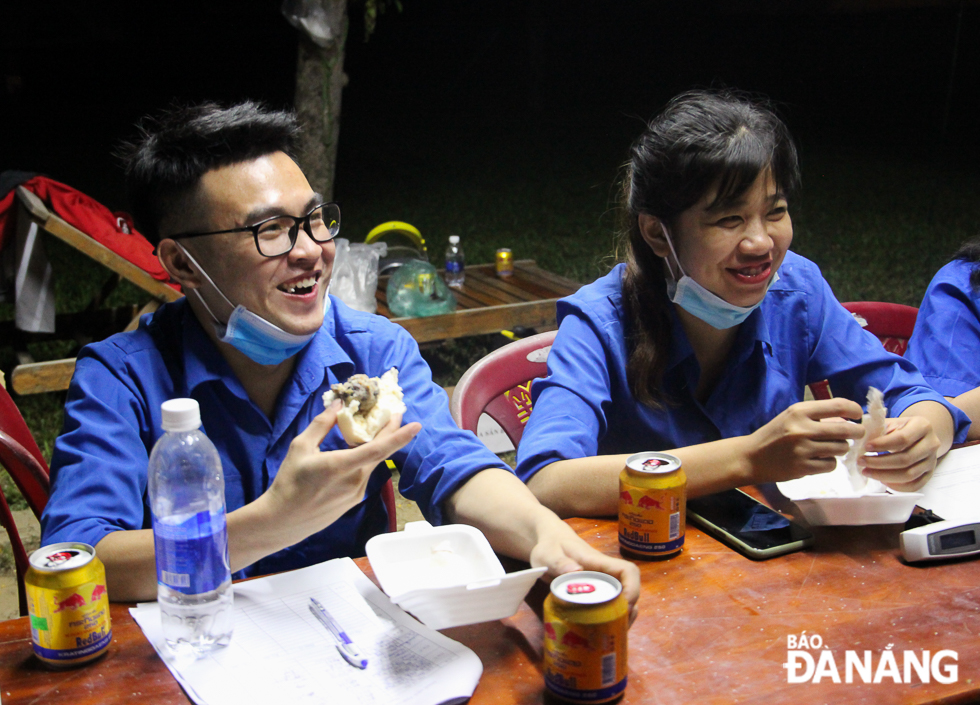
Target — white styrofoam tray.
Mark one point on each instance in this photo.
(828, 500)
(447, 576)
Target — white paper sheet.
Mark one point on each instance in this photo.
(280, 653)
(953, 492)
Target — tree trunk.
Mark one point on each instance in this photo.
(320, 79)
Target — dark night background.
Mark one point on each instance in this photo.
(478, 92)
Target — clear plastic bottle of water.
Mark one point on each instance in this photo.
(190, 533)
(455, 263)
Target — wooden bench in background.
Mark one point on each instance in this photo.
(54, 375)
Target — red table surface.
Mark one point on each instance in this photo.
(713, 628)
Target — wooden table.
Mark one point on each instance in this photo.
(489, 304)
(713, 628)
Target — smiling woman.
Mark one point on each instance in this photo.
(703, 340)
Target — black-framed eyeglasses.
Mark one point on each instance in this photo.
(277, 235)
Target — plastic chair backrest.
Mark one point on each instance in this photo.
(22, 459)
(499, 385)
(891, 323)
(20, 455)
(17, 548)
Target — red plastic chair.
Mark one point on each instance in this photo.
(499, 385)
(22, 459)
(388, 497)
(891, 323)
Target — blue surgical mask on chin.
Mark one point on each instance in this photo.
(701, 303)
(258, 339)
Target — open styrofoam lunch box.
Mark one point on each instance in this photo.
(829, 500)
(447, 576)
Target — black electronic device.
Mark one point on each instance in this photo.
(747, 525)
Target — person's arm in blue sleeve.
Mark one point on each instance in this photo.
(455, 478)
(557, 455)
(945, 344)
(99, 472)
(98, 469)
(442, 457)
(922, 424)
(312, 489)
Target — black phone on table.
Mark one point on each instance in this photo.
(747, 525)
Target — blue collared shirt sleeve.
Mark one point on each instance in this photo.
(854, 360)
(801, 335)
(945, 345)
(442, 457)
(569, 405)
(100, 459)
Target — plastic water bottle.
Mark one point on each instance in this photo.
(455, 272)
(190, 533)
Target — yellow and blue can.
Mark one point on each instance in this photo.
(586, 620)
(652, 505)
(68, 604)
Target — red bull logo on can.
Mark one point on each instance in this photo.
(646, 501)
(72, 602)
(575, 640)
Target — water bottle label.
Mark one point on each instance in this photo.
(454, 267)
(192, 556)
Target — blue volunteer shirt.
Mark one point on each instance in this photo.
(112, 420)
(800, 334)
(945, 344)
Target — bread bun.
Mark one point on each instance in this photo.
(368, 402)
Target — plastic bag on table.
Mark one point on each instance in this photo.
(355, 273)
(416, 289)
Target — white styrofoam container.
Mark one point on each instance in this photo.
(447, 576)
(828, 500)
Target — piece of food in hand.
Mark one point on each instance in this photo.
(874, 426)
(368, 403)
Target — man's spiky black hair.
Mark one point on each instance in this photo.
(177, 147)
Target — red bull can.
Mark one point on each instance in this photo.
(505, 262)
(67, 604)
(652, 505)
(425, 282)
(586, 619)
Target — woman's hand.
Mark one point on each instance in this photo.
(911, 448)
(561, 550)
(799, 442)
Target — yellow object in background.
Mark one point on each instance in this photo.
(397, 227)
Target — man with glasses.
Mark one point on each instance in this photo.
(256, 340)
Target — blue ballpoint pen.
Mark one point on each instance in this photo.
(345, 646)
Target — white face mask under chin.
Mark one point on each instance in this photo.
(701, 303)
